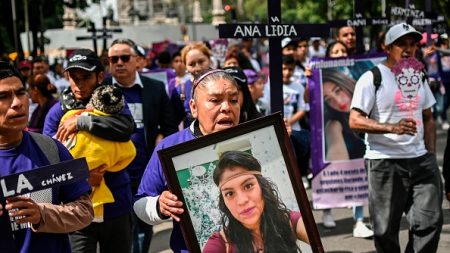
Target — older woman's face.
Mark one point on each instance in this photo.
(216, 106)
(196, 61)
(336, 97)
(243, 197)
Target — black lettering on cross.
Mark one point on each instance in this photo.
(275, 31)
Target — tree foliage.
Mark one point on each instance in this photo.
(316, 11)
(43, 14)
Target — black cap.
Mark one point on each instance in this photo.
(237, 74)
(85, 59)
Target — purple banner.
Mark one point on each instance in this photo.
(337, 152)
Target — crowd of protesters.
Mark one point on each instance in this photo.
(177, 106)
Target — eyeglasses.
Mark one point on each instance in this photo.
(124, 58)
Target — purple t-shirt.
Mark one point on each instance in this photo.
(28, 156)
(154, 182)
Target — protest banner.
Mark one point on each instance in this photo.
(37, 184)
(340, 178)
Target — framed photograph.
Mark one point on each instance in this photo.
(189, 169)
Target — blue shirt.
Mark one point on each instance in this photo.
(154, 182)
(28, 156)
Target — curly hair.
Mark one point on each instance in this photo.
(275, 226)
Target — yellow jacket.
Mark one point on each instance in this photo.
(98, 151)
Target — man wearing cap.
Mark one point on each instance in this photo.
(140, 59)
(256, 87)
(400, 153)
(85, 73)
(25, 68)
(152, 112)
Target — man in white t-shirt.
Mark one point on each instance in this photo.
(400, 150)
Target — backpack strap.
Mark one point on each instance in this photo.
(376, 77)
(47, 146)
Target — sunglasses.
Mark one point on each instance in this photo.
(124, 58)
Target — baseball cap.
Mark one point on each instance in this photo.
(25, 64)
(140, 51)
(252, 76)
(287, 41)
(85, 59)
(400, 30)
(237, 74)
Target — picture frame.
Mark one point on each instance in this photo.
(188, 168)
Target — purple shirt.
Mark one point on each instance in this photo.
(28, 156)
(154, 182)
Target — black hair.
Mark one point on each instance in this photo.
(275, 227)
(40, 59)
(288, 60)
(331, 45)
(175, 55)
(164, 58)
(8, 70)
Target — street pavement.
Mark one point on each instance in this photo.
(339, 239)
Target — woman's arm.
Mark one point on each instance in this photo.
(301, 231)
(336, 148)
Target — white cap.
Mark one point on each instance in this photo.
(400, 30)
(285, 42)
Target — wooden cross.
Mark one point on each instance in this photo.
(425, 20)
(105, 34)
(275, 31)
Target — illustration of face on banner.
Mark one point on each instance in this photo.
(409, 76)
(337, 151)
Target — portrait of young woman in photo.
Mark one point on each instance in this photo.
(254, 219)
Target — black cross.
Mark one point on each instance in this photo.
(424, 20)
(105, 34)
(276, 31)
